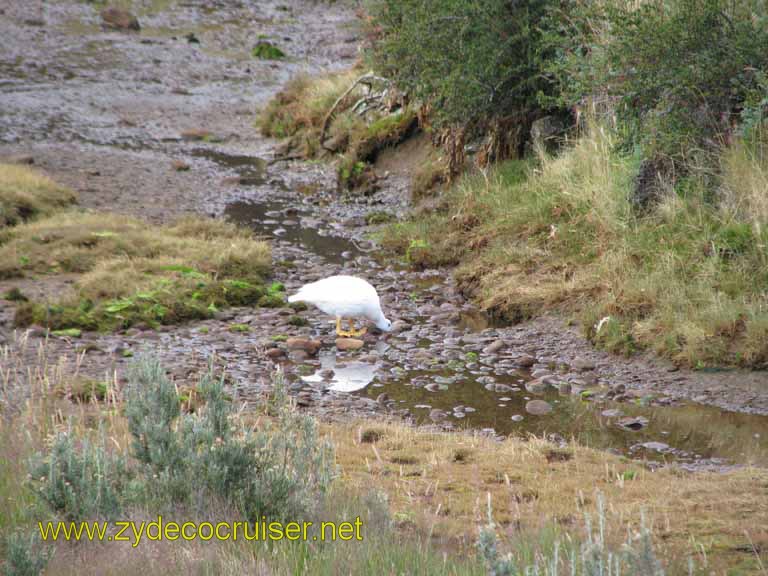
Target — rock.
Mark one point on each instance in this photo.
(526, 361)
(541, 373)
(632, 423)
(547, 129)
(311, 347)
(537, 386)
(494, 347)
(345, 344)
(538, 407)
(517, 418)
(657, 446)
(119, 19)
(275, 353)
(382, 398)
(612, 413)
(618, 389)
(582, 364)
(437, 415)
(180, 165)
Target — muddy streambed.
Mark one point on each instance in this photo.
(440, 374)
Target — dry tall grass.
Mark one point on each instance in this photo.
(25, 193)
(687, 279)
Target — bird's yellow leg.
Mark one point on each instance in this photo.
(339, 331)
(353, 332)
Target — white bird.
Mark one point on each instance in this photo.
(345, 297)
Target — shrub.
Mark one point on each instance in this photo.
(278, 470)
(679, 73)
(470, 62)
(25, 555)
(592, 557)
(80, 479)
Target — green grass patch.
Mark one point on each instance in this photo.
(265, 50)
(130, 272)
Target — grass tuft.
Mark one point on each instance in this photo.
(26, 194)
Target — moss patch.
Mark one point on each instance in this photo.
(265, 50)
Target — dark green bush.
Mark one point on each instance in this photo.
(679, 74)
(470, 62)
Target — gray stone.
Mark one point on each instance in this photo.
(538, 407)
(493, 347)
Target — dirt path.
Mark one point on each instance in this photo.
(109, 113)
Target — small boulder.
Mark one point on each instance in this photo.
(311, 347)
(119, 19)
(537, 386)
(582, 364)
(437, 415)
(275, 353)
(180, 166)
(632, 423)
(526, 361)
(538, 407)
(493, 347)
(345, 344)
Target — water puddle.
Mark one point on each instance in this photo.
(342, 377)
(251, 170)
(279, 220)
(692, 435)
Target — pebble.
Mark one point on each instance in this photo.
(582, 364)
(538, 407)
(526, 361)
(437, 415)
(307, 345)
(345, 344)
(493, 347)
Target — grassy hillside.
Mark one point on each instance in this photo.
(560, 233)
